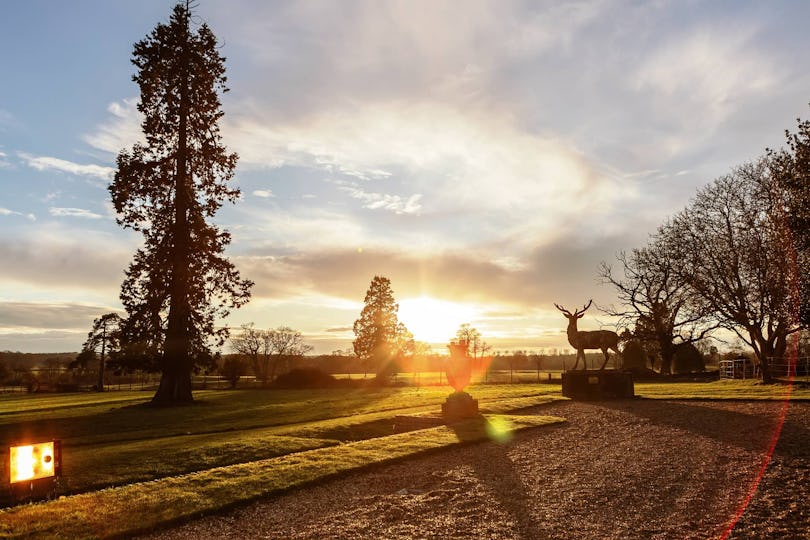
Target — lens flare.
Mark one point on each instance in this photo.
(499, 429)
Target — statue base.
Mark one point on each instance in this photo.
(597, 385)
(458, 406)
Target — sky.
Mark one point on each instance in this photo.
(485, 156)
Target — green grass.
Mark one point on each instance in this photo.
(160, 465)
(143, 506)
(724, 389)
(113, 439)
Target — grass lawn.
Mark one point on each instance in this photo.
(723, 389)
(232, 446)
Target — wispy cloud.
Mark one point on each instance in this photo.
(698, 78)
(477, 160)
(382, 201)
(54, 259)
(7, 212)
(44, 163)
(263, 193)
(18, 316)
(73, 212)
(120, 131)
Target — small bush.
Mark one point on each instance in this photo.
(305, 378)
(687, 359)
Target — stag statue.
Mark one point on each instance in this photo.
(596, 339)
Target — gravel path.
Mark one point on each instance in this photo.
(634, 469)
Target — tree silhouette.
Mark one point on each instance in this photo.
(657, 300)
(104, 335)
(475, 346)
(265, 349)
(792, 169)
(166, 187)
(380, 339)
(733, 246)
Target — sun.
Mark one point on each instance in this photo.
(432, 320)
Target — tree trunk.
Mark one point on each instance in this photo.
(101, 362)
(667, 353)
(175, 382)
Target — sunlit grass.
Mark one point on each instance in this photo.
(112, 439)
(143, 506)
(233, 446)
(724, 389)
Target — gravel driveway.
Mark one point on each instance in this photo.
(628, 469)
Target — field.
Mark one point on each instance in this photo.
(234, 446)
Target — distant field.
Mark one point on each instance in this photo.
(112, 439)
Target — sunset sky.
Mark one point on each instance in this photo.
(484, 156)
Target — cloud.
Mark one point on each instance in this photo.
(7, 212)
(699, 78)
(73, 212)
(119, 132)
(471, 161)
(557, 272)
(375, 201)
(44, 163)
(39, 316)
(263, 193)
(63, 261)
(39, 342)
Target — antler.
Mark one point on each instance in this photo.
(584, 309)
(578, 312)
(558, 306)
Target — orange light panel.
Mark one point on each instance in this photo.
(32, 461)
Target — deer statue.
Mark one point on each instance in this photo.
(596, 339)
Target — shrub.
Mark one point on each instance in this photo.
(305, 378)
(687, 359)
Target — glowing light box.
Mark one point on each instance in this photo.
(30, 462)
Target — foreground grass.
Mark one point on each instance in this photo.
(111, 439)
(233, 446)
(143, 506)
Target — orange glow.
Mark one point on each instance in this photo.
(33, 461)
(432, 320)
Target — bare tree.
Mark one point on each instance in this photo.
(733, 246)
(791, 168)
(656, 300)
(266, 349)
(477, 348)
(283, 344)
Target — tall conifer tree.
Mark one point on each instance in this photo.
(380, 338)
(166, 187)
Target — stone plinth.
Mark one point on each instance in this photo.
(459, 405)
(597, 385)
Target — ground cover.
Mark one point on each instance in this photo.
(238, 428)
(724, 389)
(141, 506)
(117, 440)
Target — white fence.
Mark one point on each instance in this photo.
(781, 367)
